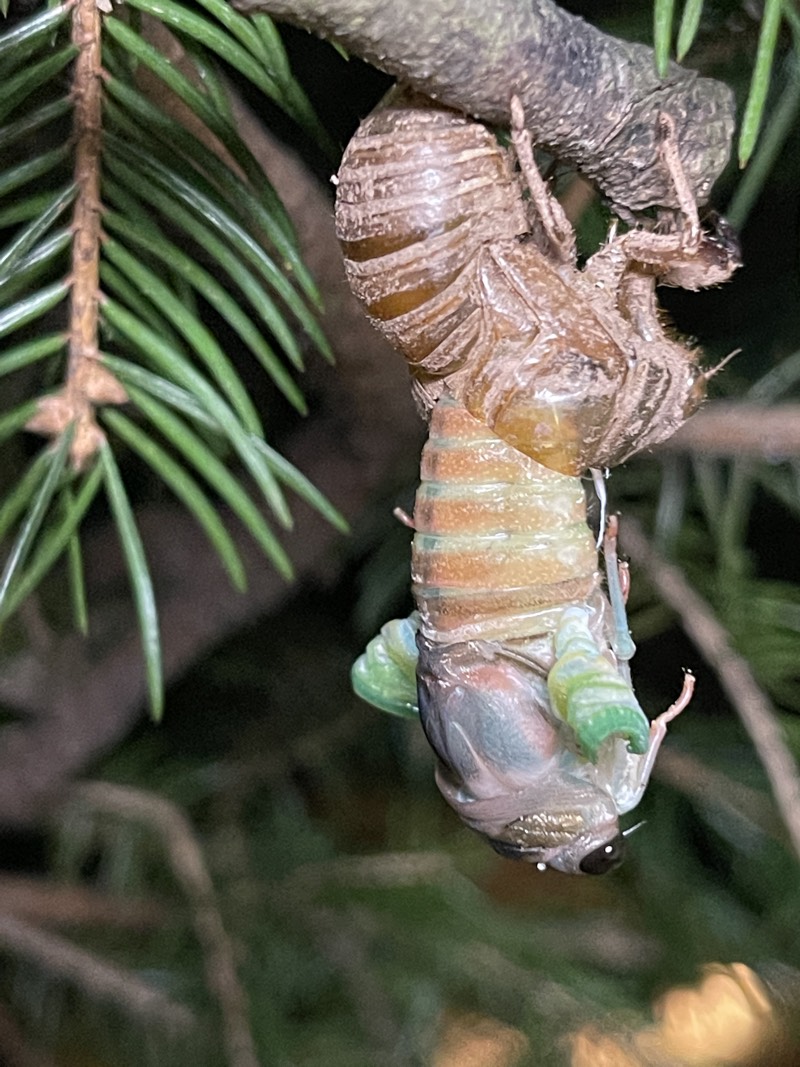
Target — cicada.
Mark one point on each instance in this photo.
(530, 371)
(509, 659)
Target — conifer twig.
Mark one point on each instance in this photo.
(734, 674)
(100, 981)
(739, 803)
(590, 98)
(46, 903)
(74, 699)
(87, 381)
(190, 870)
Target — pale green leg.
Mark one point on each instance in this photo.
(385, 675)
(590, 694)
(622, 642)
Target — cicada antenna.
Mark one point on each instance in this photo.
(634, 828)
(709, 374)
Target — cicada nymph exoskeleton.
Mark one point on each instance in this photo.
(530, 371)
(570, 366)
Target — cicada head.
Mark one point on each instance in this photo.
(578, 855)
(577, 832)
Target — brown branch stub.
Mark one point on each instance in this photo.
(736, 428)
(46, 903)
(734, 674)
(88, 383)
(591, 99)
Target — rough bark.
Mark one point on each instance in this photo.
(589, 98)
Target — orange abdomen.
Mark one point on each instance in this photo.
(501, 544)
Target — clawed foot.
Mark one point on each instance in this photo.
(659, 726)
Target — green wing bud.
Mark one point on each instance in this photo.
(385, 675)
(588, 692)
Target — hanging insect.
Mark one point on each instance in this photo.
(572, 367)
(509, 660)
(530, 371)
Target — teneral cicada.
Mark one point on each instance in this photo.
(541, 742)
(530, 371)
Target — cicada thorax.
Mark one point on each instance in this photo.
(438, 247)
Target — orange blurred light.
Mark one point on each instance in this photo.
(473, 1040)
(591, 1048)
(727, 1019)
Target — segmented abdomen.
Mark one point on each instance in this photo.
(420, 190)
(501, 544)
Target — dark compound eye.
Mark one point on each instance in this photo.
(606, 858)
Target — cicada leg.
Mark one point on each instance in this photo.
(626, 775)
(622, 642)
(557, 227)
(402, 516)
(658, 727)
(658, 731)
(688, 256)
(660, 249)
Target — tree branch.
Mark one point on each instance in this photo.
(101, 983)
(753, 708)
(188, 865)
(588, 98)
(46, 903)
(740, 429)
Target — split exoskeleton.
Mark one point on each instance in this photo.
(530, 371)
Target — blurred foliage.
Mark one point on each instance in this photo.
(773, 12)
(190, 226)
(363, 915)
(369, 927)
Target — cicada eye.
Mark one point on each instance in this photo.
(605, 858)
